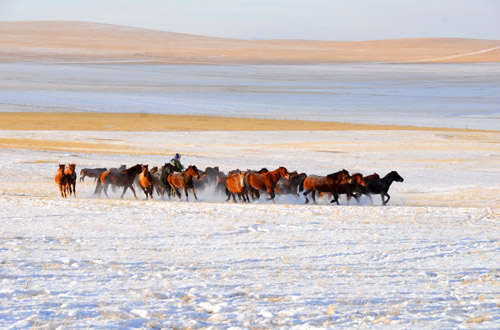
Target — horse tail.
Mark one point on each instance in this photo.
(98, 186)
(301, 185)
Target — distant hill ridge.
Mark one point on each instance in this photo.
(62, 41)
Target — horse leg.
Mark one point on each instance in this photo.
(68, 189)
(271, 193)
(145, 192)
(177, 193)
(74, 189)
(194, 193)
(313, 195)
(133, 190)
(371, 199)
(388, 197)
(305, 195)
(98, 188)
(335, 198)
(105, 188)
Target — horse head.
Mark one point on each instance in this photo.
(357, 178)
(340, 177)
(136, 169)
(168, 168)
(263, 170)
(193, 171)
(283, 172)
(394, 176)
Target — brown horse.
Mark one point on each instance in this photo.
(237, 185)
(290, 185)
(327, 183)
(266, 181)
(354, 187)
(61, 180)
(146, 181)
(91, 173)
(254, 192)
(70, 179)
(124, 178)
(184, 180)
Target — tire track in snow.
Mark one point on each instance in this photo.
(454, 56)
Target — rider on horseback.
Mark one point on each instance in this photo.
(176, 163)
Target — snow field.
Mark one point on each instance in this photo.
(125, 263)
(429, 259)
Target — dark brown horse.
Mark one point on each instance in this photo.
(266, 181)
(158, 185)
(220, 187)
(201, 183)
(124, 178)
(381, 186)
(146, 181)
(237, 185)
(327, 184)
(61, 180)
(91, 173)
(211, 173)
(71, 179)
(372, 177)
(354, 187)
(165, 172)
(184, 180)
(290, 185)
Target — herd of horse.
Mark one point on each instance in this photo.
(244, 185)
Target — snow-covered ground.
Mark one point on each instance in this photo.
(430, 259)
(445, 95)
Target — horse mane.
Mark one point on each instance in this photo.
(336, 174)
(132, 169)
(390, 174)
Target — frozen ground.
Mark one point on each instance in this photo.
(447, 95)
(430, 259)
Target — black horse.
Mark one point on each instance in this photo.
(165, 172)
(381, 186)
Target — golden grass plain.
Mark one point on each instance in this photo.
(63, 41)
(142, 122)
(137, 122)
